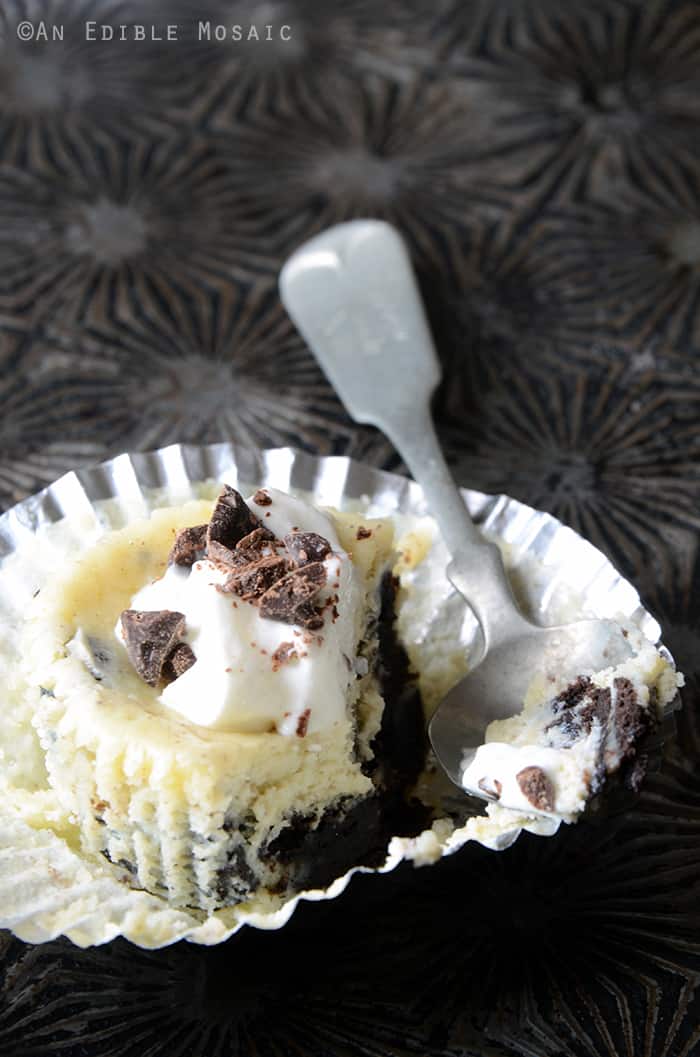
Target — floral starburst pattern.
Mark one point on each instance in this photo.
(141, 225)
(243, 373)
(369, 151)
(589, 101)
(542, 159)
(606, 451)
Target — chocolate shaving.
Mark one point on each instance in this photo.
(231, 520)
(189, 545)
(262, 498)
(536, 787)
(363, 533)
(150, 638)
(284, 653)
(307, 547)
(284, 598)
(252, 580)
(303, 723)
(177, 663)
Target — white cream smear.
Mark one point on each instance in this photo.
(236, 684)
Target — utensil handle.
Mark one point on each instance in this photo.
(352, 294)
(476, 569)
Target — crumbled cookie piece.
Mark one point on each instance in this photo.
(190, 545)
(262, 498)
(307, 547)
(536, 787)
(631, 719)
(150, 637)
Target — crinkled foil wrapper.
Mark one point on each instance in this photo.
(46, 888)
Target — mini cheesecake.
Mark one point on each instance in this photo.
(225, 710)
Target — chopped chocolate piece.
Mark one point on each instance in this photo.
(363, 533)
(307, 547)
(252, 580)
(150, 638)
(308, 616)
(247, 550)
(177, 663)
(218, 552)
(256, 539)
(303, 723)
(284, 598)
(536, 787)
(231, 519)
(262, 498)
(631, 720)
(190, 544)
(491, 788)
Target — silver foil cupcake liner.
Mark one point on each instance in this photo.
(46, 888)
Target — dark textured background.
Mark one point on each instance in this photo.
(543, 159)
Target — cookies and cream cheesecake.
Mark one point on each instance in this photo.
(559, 752)
(224, 708)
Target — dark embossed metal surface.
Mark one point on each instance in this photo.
(543, 160)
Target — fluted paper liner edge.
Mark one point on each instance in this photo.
(46, 888)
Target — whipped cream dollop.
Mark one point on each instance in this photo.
(252, 673)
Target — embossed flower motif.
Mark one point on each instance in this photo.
(70, 78)
(378, 149)
(133, 229)
(41, 436)
(555, 946)
(242, 57)
(234, 369)
(671, 594)
(612, 453)
(594, 98)
(266, 994)
(514, 296)
(635, 264)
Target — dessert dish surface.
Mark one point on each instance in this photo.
(151, 898)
